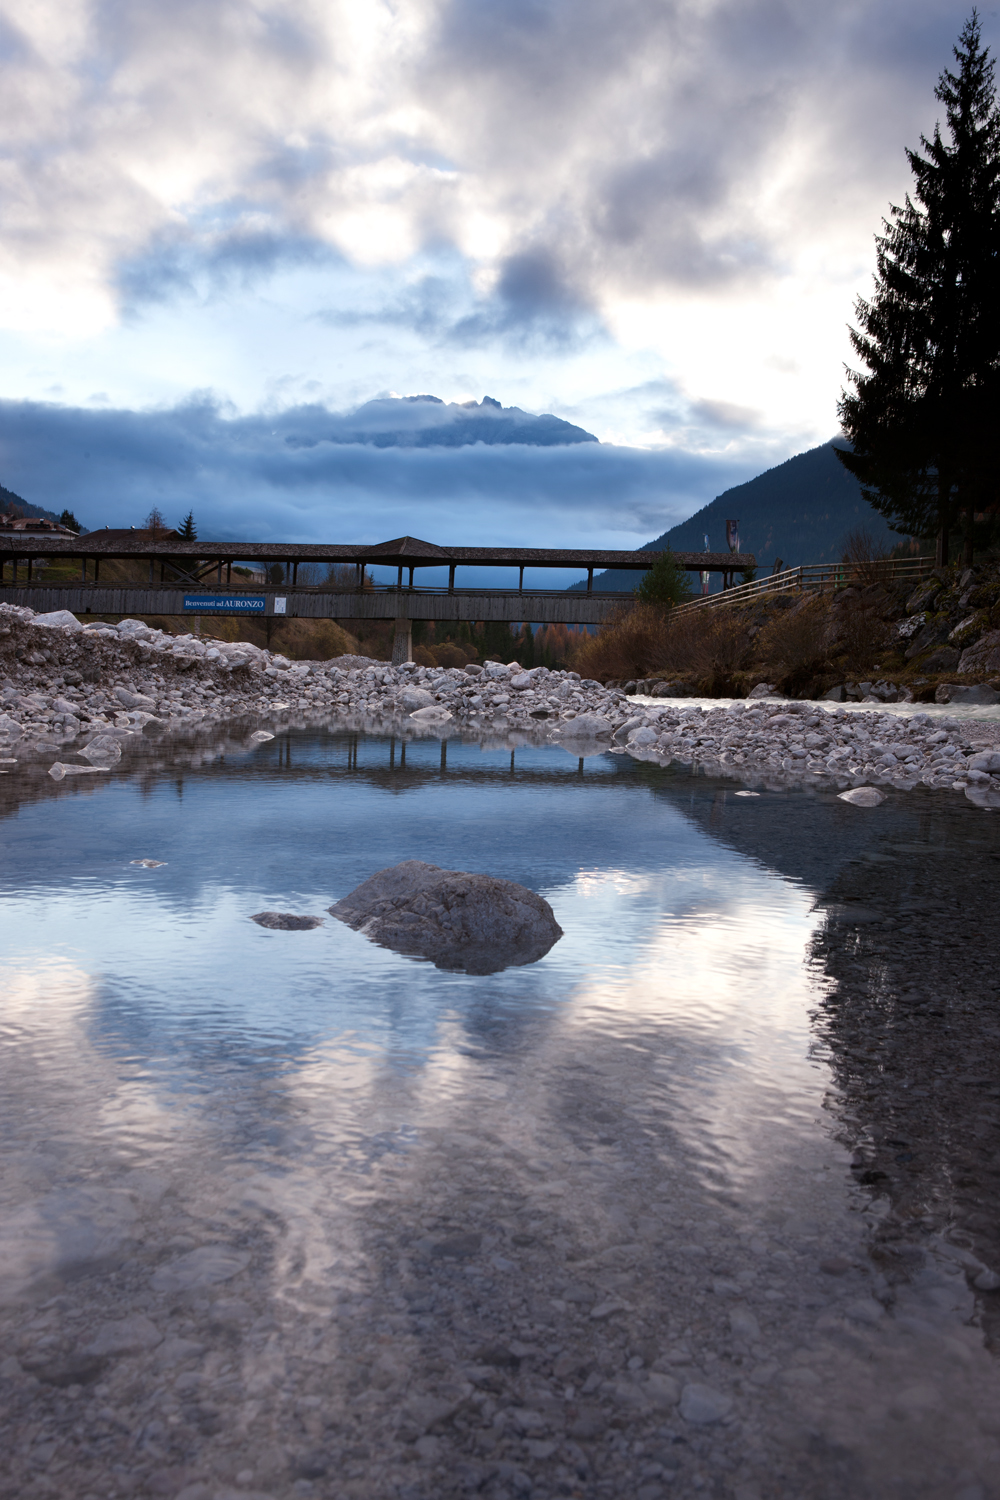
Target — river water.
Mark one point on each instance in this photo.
(705, 1202)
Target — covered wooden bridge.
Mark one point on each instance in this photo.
(194, 577)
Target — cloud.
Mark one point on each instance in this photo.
(529, 304)
(181, 263)
(725, 414)
(244, 480)
(570, 154)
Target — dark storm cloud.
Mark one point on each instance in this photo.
(244, 480)
(531, 305)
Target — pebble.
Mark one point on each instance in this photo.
(782, 743)
(702, 1405)
(129, 1335)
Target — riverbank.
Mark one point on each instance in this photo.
(64, 685)
(882, 638)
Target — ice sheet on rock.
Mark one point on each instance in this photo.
(104, 749)
(60, 769)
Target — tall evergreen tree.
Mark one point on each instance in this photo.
(187, 528)
(919, 420)
(666, 583)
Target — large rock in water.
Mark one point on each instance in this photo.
(473, 923)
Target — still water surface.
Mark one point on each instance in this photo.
(639, 1149)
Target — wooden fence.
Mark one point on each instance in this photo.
(821, 576)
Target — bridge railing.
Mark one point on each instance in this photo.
(209, 586)
(821, 576)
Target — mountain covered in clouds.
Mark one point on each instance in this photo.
(801, 511)
(429, 422)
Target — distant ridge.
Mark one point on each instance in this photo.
(8, 498)
(801, 511)
(429, 422)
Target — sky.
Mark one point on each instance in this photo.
(222, 221)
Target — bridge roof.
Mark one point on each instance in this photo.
(405, 551)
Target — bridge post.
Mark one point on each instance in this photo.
(402, 645)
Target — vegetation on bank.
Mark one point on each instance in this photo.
(805, 643)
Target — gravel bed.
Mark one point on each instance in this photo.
(65, 685)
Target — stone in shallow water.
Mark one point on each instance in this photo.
(863, 796)
(286, 921)
(206, 1266)
(129, 1335)
(472, 923)
(982, 796)
(264, 734)
(434, 712)
(104, 750)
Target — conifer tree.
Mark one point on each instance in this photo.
(187, 528)
(665, 583)
(919, 419)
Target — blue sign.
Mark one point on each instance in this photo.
(225, 604)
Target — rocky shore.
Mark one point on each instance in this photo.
(76, 691)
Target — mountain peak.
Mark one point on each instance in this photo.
(425, 421)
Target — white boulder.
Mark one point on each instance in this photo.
(586, 727)
(434, 713)
(412, 698)
(863, 796)
(59, 619)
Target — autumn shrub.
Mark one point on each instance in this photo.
(628, 644)
(641, 639)
(793, 640)
(451, 654)
(713, 641)
(312, 640)
(863, 634)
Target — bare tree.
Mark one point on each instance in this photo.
(866, 554)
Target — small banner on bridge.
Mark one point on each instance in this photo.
(225, 604)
